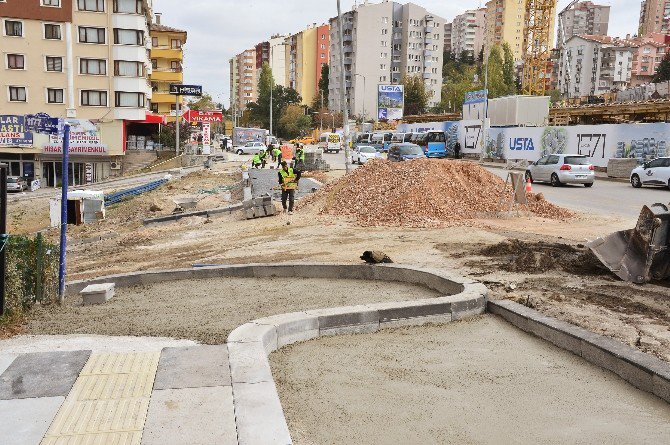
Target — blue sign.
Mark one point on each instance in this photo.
(13, 132)
(44, 124)
(521, 144)
(476, 97)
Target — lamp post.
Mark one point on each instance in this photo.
(364, 96)
(343, 94)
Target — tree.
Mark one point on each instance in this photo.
(494, 66)
(294, 122)
(663, 70)
(167, 135)
(324, 84)
(203, 103)
(416, 95)
(259, 111)
(508, 69)
(455, 86)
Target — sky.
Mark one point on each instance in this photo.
(219, 29)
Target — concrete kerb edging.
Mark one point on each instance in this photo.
(641, 370)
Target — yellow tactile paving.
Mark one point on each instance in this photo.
(108, 403)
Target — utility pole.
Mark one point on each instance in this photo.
(343, 94)
(176, 126)
(3, 233)
(65, 183)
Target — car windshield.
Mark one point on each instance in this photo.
(398, 138)
(410, 150)
(12, 180)
(577, 160)
(367, 150)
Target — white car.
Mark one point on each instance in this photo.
(656, 172)
(363, 153)
(562, 169)
(250, 148)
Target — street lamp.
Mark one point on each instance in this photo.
(364, 96)
(343, 94)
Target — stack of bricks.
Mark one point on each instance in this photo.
(259, 207)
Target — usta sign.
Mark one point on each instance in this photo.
(390, 88)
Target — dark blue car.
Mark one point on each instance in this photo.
(405, 152)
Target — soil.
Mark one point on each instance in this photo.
(208, 310)
(460, 383)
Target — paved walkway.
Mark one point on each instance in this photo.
(180, 395)
(263, 181)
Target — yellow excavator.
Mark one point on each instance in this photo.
(642, 254)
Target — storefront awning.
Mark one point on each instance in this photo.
(152, 118)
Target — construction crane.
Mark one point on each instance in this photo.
(537, 37)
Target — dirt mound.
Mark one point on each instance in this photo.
(539, 257)
(420, 193)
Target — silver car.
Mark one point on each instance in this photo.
(251, 148)
(562, 169)
(16, 184)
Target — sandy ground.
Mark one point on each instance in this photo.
(207, 310)
(461, 383)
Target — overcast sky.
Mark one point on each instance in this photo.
(219, 29)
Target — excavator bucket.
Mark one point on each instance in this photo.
(642, 254)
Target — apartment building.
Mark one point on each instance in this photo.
(167, 57)
(448, 30)
(648, 53)
(85, 60)
(278, 62)
(382, 43)
(654, 17)
(598, 64)
(468, 32)
(234, 85)
(584, 18)
(306, 52)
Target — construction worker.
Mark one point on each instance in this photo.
(288, 179)
(264, 157)
(299, 160)
(276, 155)
(256, 161)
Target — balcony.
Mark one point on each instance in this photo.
(348, 60)
(162, 98)
(165, 52)
(168, 75)
(428, 53)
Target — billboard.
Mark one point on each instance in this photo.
(474, 106)
(84, 140)
(13, 133)
(391, 102)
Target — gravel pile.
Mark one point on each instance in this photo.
(421, 193)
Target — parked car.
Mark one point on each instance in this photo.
(16, 184)
(405, 152)
(330, 142)
(562, 169)
(656, 172)
(307, 140)
(250, 148)
(363, 153)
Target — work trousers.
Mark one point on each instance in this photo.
(288, 195)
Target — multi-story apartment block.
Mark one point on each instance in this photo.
(244, 80)
(383, 43)
(448, 30)
(468, 31)
(85, 60)
(654, 17)
(584, 18)
(167, 56)
(278, 59)
(648, 53)
(597, 65)
(306, 52)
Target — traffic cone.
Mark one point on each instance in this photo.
(529, 186)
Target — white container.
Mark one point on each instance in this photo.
(519, 111)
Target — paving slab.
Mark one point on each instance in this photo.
(43, 374)
(5, 361)
(193, 367)
(194, 416)
(259, 414)
(27, 419)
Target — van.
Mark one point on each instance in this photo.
(381, 141)
(433, 143)
(330, 142)
(363, 139)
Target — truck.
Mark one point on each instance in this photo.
(243, 135)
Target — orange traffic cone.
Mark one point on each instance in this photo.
(529, 186)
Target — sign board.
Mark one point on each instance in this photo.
(476, 97)
(44, 124)
(84, 140)
(206, 138)
(474, 106)
(203, 116)
(185, 90)
(391, 102)
(13, 132)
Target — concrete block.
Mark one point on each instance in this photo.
(249, 213)
(635, 375)
(42, 374)
(366, 328)
(413, 310)
(292, 328)
(5, 361)
(599, 356)
(193, 367)
(661, 387)
(555, 336)
(418, 321)
(255, 333)
(271, 271)
(259, 415)
(345, 316)
(248, 363)
(196, 416)
(510, 316)
(474, 305)
(270, 210)
(97, 293)
(26, 421)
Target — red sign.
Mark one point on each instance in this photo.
(203, 116)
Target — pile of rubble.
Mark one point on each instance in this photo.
(421, 193)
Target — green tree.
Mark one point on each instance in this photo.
(508, 69)
(294, 122)
(455, 86)
(496, 85)
(323, 89)
(663, 70)
(167, 135)
(416, 95)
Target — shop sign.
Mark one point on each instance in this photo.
(13, 132)
(203, 116)
(84, 140)
(185, 90)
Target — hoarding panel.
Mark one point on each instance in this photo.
(391, 102)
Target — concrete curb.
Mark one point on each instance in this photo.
(641, 370)
(205, 213)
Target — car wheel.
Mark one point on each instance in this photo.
(239, 152)
(635, 181)
(555, 182)
(360, 162)
(529, 177)
(589, 185)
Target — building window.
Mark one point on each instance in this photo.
(16, 62)
(128, 6)
(154, 64)
(51, 31)
(128, 37)
(128, 69)
(13, 28)
(55, 64)
(54, 95)
(154, 108)
(96, 67)
(175, 66)
(175, 44)
(93, 98)
(154, 42)
(131, 100)
(91, 5)
(52, 3)
(91, 35)
(17, 94)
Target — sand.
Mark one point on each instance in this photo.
(481, 381)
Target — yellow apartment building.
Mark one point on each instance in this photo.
(167, 58)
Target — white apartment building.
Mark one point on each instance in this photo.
(584, 18)
(598, 64)
(468, 32)
(382, 43)
(278, 62)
